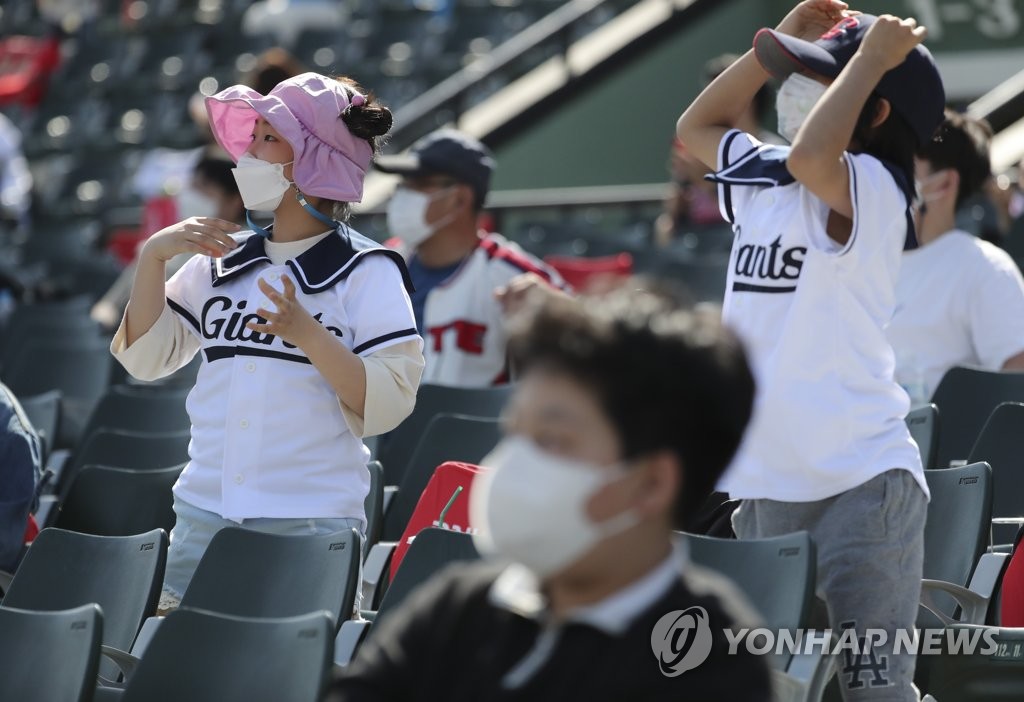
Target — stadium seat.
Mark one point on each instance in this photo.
(133, 409)
(923, 423)
(79, 369)
(432, 550)
(984, 675)
(108, 501)
(448, 437)
(206, 657)
(966, 397)
(374, 505)
(127, 449)
(51, 655)
(592, 274)
(1011, 600)
(246, 573)
(1001, 445)
(957, 529)
(122, 574)
(397, 447)
(778, 575)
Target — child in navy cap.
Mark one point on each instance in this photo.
(819, 230)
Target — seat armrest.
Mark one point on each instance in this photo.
(973, 601)
(389, 494)
(972, 605)
(350, 635)
(376, 570)
(126, 662)
(807, 674)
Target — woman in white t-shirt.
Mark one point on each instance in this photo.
(306, 329)
(820, 227)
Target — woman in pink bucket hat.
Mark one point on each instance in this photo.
(305, 328)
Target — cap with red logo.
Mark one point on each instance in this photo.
(914, 88)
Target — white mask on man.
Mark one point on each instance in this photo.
(796, 98)
(531, 507)
(192, 203)
(407, 216)
(261, 184)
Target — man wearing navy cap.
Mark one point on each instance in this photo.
(455, 267)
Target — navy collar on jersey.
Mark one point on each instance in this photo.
(316, 269)
(765, 165)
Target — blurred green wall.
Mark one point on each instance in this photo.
(620, 131)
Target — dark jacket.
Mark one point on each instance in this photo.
(449, 642)
(20, 471)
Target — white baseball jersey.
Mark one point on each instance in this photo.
(828, 415)
(959, 302)
(269, 436)
(463, 326)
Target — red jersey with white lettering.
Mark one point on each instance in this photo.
(463, 327)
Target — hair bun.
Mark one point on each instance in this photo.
(369, 120)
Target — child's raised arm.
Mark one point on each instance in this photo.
(720, 105)
(816, 159)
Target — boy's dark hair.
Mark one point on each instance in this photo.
(370, 121)
(668, 376)
(961, 143)
(893, 140)
(216, 169)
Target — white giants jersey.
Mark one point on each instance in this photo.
(463, 327)
(828, 415)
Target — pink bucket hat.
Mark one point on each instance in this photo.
(330, 162)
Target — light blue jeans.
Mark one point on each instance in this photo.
(194, 529)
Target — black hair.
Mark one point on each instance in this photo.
(892, 141)
(763, 98)
(273, 66)
(217, 170)
(370, 121)
(961, 143)
(667, 375)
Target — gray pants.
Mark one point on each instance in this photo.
(870, 545)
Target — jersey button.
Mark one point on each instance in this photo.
(251, 367)
(244, 424)
(275, 276)
(239, 479)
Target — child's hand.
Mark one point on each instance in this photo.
(205, 235)
(291, 322)
(812, 18)
(890, 39)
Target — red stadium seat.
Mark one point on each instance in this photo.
(592, 274)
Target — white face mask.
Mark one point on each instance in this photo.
(261, 184)
(797, 96)
(407, 216)
(531, 507)
(192, 203)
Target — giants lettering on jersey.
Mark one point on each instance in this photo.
(468, 336)
(755, 265)
(215, 325)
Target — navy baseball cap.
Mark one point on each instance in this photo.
(914, 88)
(445, 152)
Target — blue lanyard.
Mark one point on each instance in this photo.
(331, 223)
